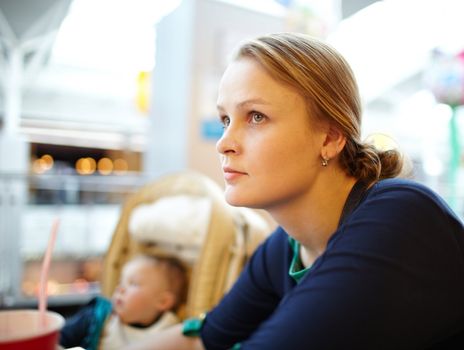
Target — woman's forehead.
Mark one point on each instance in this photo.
(244, 70)
(246, 82)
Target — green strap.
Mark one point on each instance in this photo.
(191, 327)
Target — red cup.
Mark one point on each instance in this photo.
(22, 329)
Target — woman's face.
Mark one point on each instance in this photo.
(270, 154)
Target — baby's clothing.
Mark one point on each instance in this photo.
(117, 335)
(95, 327)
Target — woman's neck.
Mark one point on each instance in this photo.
(313, 218)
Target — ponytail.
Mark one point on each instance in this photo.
(364, 161)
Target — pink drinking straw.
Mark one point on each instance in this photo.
(44, 274)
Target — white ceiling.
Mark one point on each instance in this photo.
(390, 41)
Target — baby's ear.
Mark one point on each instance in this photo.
(166, 301)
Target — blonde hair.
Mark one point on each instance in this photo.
(325, 80)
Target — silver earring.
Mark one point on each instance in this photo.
(324, 161)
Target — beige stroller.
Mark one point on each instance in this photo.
(185, 214)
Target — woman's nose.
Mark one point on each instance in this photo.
(227, 143)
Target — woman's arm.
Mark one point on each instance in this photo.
(169, 339)
(254, 296)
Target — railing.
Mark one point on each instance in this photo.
(88, 208)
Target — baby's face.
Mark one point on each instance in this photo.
(142, 293)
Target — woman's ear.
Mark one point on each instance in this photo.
(333, 143)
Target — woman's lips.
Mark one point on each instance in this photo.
(231, 174)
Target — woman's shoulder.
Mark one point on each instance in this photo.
(396, 206)
(401, 185)
(401, 220)
(406, 195)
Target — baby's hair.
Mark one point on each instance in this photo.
(175, 271)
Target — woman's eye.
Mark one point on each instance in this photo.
(257, 118)
(225, 120)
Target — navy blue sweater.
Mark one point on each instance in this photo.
(392, 277)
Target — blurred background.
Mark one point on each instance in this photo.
(98, 97)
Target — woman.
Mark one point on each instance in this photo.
(361, 260)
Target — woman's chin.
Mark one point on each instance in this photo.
(237, 200)
(233, 199)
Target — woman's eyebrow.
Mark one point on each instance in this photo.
(251, 101)
(258, 101)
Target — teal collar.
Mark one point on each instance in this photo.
(297, 271)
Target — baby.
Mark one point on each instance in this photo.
(149, 292)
